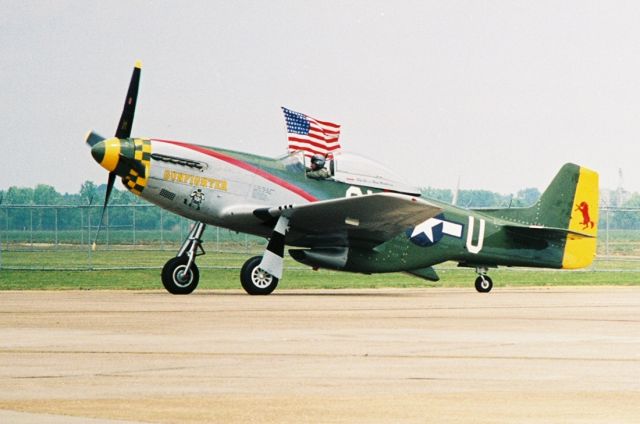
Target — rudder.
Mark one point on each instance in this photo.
(579, 251)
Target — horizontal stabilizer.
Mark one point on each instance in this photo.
(92, 138)
(545, 233)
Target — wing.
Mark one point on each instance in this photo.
(362, 221)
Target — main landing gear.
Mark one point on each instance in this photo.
(484, 284)
(180, 275)
(255, 280)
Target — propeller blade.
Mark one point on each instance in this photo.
(110, 182)
(126, 119)
(92, 138)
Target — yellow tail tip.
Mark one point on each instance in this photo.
(579, 251)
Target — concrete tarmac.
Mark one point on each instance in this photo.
(535, 355)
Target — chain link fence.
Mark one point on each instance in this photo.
(61, 238)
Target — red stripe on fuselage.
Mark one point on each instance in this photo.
(247, 167)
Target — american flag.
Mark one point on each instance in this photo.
(311, 135)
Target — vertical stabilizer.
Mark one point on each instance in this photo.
(568, 209)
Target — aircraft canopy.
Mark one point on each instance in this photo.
(351, 168)
(355, 169)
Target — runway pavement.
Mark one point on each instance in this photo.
(545, 355)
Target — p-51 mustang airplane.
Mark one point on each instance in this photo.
(361, 219)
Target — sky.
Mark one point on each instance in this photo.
(494, 94)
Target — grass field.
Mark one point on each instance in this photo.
(140, 269)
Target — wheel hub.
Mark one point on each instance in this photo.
(484, 284)
(261, 278)
(182, 276)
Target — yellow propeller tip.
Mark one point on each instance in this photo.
(139, 64)
(93, 247)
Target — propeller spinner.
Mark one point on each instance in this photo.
(121, 155)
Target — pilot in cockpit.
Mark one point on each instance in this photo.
(317, 169)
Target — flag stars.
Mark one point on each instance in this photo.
(297, 123)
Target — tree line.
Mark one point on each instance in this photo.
(44, 194)
(88, 202)
(91, 194)
(484, 198)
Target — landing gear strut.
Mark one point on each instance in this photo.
(180, 275)
(484, 284)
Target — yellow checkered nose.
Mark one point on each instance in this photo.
(128, 158)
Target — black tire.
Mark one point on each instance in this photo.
(484, 284)
(174, 282)
(256, 281)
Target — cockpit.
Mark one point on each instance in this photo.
(354, 169)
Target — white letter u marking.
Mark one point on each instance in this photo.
(470, 247)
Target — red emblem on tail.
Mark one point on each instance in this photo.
(583, 207)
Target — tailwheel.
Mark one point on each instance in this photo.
(484, 284)
(256, 281)
(178, 277)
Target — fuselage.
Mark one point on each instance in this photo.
(221, 187)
